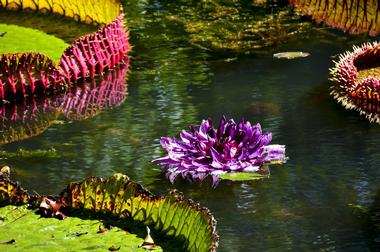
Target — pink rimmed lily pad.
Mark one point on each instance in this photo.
(357, 80)
(30, 74)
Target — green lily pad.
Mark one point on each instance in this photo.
(242, 176)
(61, 27)
(16, 39)
(173, 216)
(30, 232)
(90, 12)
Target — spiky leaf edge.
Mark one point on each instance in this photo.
(123, 198)
(363, 95)
(353, 16)
(25, 74)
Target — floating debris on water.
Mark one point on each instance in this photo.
(5, 171)
(148, 241)
(290, 55)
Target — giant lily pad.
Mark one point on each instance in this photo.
(60, 27)
(353, 16)
(91, 12)
(356, 79)
(173, 214)
(76, 233)
(87, 56)
(15, 39)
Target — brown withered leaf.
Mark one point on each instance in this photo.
(8, 242)
(51, 208)
(114, 248)
(148, 241)
(5, 171)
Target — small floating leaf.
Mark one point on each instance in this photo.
(290, 55)
(242, 176)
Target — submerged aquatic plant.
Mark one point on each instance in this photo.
(231, 26)
(357, 78)
(233, 147)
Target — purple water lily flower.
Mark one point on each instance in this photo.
(233, 147)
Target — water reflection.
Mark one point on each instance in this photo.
(374, 223)
(89, 98)
(27, 119)
(367, 108)
(31, 117)
(230, 26)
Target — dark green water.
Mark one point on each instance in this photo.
(334, 156)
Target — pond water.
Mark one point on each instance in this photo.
(306, 204)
